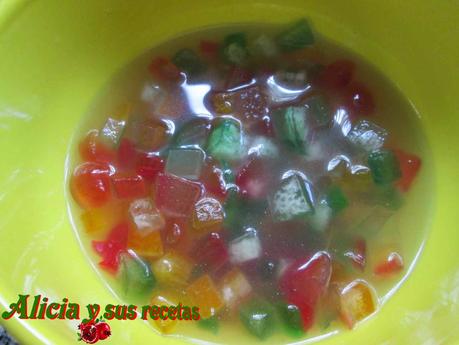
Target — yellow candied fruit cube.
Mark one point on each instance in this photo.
(222, 103)
(206, 296)
(356, 302)
(208, 214)
(172, 269)
(98, 221)
(163, 299)
(234, 287)
(149, 245)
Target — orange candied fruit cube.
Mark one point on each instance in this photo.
(97, 221)
(356, 302)
(221, 103)
(149, 244)
(206, 296)
(172, 269)
(234, 287)
(208, 214)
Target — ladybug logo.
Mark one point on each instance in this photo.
(91, 332)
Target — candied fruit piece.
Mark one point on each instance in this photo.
(148, 245)
(254, 179)
(249, 103)
(245, 248)
(112, 246)
(211, 253)
(234, 287)
(367, 135)
(291, 127)
(111, 131)
(392, 264)
(384, 166)
(128, 186)
(297, 36)
(336, 199)
(222, 103)
(149, 166)
(356, 302)
(189, 62)
(136, 276)
(176, 196)
(257, 316)
(292, 200)
(145, 216)
(92, 149)
(90, 185)
(148, 134)
(264, 46)
(97, 221)
(165, 299)
(126, 154)
(225, 141)
(235, 49)
(186, 163)
(208, 214)
(409, 166)
(290, 316)
(193, 133)
(206, 296)
(172, 269)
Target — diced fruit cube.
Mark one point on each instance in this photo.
(127, 154)
(129, 186)
(186, 163)
(245, 248)
(318, 111)
(164, 70)
(214, 179)
(172, 269)
(264, 46)
(149, 166)
(208, 215)
(249, 103)
(336, 199)
(258, 318)
(166, 299)
(384, 166)
(337, 75)
(221, 103)
(92, 149)
(304, 281)
(409, 166)
(193, 133)
(263, 147)
(136, 276)
(149, 245)
(291, 318)
(189, 62)
(206, 296)
(235, 49)
(367, 135)
(234, 287)
(225, 141)
(359, 101)
(392, 264)
(90, 185)
(292, 200)
(112, 246)
(211, 253)
(356, 302)
(112, 131)
(297, 36)
(97, 221)
(254, 179)
(176, 196)
(290, 126)
(148, 134)
(145, 216)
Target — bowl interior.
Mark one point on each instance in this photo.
(55, 57)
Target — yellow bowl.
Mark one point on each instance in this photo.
(56, 55)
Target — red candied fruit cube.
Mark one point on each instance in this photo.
(304, 281)
(392, 264)
(93, 150)
(129, 186)
(409, 166)
(213, 180)
(254, 179)
(149, 166)
(176, 196)
(211, 252)
(164, 70)
(112, 246)
(127, 154)
(90, 184)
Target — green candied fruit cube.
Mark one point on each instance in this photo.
(336, 199)
(136, 277)
(297, 36)
(291, 318)
(318, 110)
(211, 324)
(234, 49)
(290, 125)
(264, 46)
(384, 166)
(225, 141)
(189, 62)
(258, 317)
(186, 163)
(112, 131)
(292, 200)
